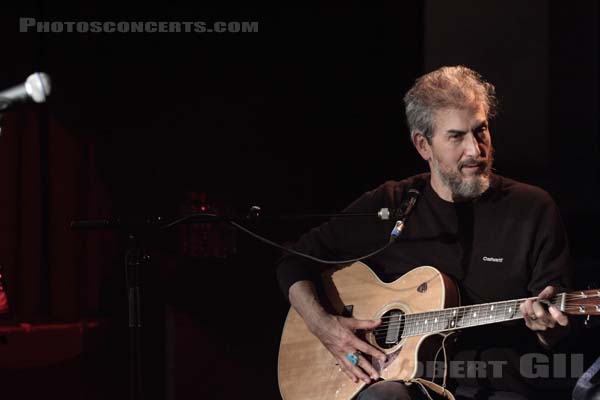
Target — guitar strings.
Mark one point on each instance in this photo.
(483, 307)
(446, 322)
(418, 317)
(444, 317)
(455, 318)
(477, 308)
(459, 323)
(461, 314)
(556, 300)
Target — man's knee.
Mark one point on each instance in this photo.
(385, 390)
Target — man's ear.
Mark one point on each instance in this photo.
(422, 145)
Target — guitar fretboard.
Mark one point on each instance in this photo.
(461, 317)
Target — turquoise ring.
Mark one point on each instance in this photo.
(353, 358)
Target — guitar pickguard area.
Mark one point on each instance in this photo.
(390, 358)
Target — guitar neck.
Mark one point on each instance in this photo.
(467, 316)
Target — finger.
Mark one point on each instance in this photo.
(364, 324)
(370, 350)
(547, 293)
(367, 367)
(542, 316)
(356, 370)
(345, 370)
(558, 316)
(526, 309)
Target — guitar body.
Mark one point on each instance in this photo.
(308, 371)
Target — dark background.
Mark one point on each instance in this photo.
(303, 116)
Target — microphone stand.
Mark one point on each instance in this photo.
(3, 106)
(1, 117)
(136, 258)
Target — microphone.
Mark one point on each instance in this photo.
(36, 88)
(401, 213)
(405, 208)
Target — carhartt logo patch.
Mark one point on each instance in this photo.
(493, 259)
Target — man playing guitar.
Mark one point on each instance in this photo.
(495, 238)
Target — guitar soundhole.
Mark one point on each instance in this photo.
(389, 333)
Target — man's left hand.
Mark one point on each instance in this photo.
(543, 320)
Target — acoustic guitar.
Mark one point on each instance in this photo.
(416, 309)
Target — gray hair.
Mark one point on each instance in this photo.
(448, 87)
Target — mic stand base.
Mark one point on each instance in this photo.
(134, 259)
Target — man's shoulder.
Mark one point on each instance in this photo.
(517, 190)
(393, 189)
(390, 193)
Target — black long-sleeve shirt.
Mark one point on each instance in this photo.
(507, 244)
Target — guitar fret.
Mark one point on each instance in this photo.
(460, 317)
(453, 318)
(407, 325)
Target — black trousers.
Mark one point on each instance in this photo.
(397, 390)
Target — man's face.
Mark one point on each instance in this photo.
(461, 152)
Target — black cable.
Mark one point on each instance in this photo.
(265, 240)
(185, 218)
(277, 245)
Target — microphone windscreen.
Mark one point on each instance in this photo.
(38, 86)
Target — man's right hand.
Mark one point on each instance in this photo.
(336, 333)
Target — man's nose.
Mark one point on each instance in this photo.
(472, 146)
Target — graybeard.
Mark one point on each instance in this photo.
(464, 189)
